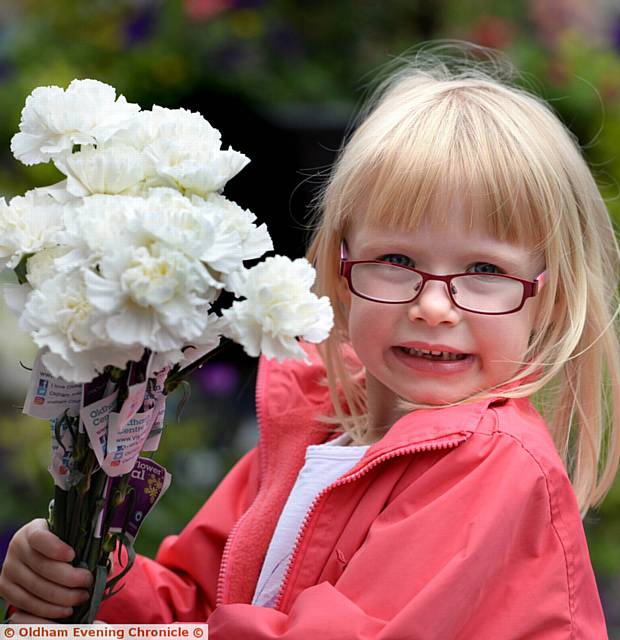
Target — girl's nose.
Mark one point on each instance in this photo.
(434, 305)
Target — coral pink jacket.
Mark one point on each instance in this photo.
(460, 523)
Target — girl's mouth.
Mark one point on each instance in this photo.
(438, 363)
(434, 355)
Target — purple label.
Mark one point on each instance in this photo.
(149, 482)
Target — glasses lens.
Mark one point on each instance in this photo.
(491, 293)
(385, 282)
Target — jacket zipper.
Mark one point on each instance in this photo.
(345, 480)
(260, 384)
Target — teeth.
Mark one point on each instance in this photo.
(444, 355)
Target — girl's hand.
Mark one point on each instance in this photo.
(20, 617)
(37, 577)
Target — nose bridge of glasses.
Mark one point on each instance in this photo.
(443, 284)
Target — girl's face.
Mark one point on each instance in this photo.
(381, 333)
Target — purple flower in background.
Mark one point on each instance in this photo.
(284, 40)
(140, 26)
(218, 378)
(232, 56)
(615, 33)
(6, 70)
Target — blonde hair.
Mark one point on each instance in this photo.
(431, 131)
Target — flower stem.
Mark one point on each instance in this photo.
(177, 375)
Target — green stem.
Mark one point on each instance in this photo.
(22, 268)
(93, 548)
(80, 492)
(176, 376)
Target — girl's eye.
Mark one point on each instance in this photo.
(397, 258)
(485, 267)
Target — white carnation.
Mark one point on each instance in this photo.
(185, 152)
(83, 366)
(53, 120)
(101, 221)
(61, 318)
(279, 307)
(199, 170)
(149, 126)
(59, 193)
(151, 296)
(16, 296)
(42, 265)
(195, 230)
(60, 314)
(28, 224)
(113, 169)
(133, 247)
(255, 241)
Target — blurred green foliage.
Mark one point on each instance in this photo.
(280, 51)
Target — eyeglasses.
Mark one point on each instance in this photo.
(486, 293)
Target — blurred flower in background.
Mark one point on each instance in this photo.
(553, 18)
(205, 9)
(221, 378)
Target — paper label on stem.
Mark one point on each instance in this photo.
(157, 427)
(125, 441)
(154, 398)
(135, 399)
(148, 483)
(49, 397)
(95, 418)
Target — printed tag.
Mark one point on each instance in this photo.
(95, 418)
(136, 389)
(125, 442)
(135, 399)
(49, 397)
(154, 398)
(157, 428)
(149, 481)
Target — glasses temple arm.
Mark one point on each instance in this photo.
(344, 255)
(540, 281)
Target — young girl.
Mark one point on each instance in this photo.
(471, 263)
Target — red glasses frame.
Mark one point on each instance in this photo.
(530, 287)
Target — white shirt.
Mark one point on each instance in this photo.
(324, 464)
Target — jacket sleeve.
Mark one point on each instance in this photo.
(181, 583)
(485, 544)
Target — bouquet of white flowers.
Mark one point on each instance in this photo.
(118, 267)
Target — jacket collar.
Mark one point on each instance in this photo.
(297, 388)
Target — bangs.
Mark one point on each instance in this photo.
(454, 149)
